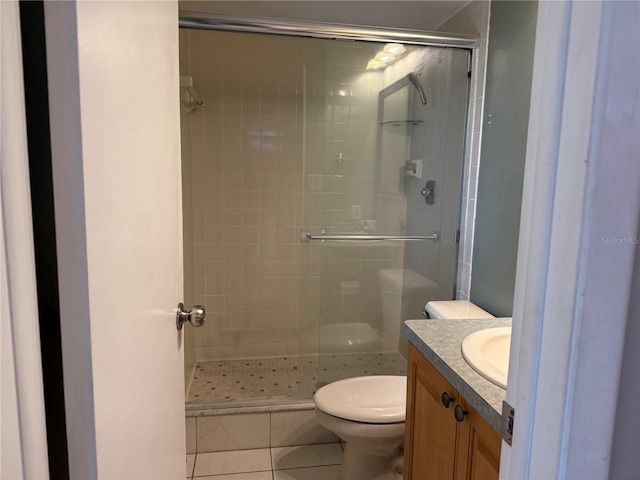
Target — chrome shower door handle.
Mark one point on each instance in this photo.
(196, 316)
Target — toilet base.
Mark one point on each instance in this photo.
(358, 464)
(371, 450)
(372, 447)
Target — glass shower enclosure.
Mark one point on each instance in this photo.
(322, 204)
(382, 217)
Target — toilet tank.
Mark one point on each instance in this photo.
(455, 309)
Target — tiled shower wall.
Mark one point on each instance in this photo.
(439, 141)
(265, 163)
(474, 19)
(435, 136)
(247, 200)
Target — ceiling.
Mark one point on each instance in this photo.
(415, 15)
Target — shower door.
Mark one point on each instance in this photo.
(378, 162)
(295, 134)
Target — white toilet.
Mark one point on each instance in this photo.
(368, 413)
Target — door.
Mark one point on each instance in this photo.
(23, 451)
(478, 447)
(431, 429)
(113, 89)
(408, 141)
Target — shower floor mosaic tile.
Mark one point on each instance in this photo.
(225, 380)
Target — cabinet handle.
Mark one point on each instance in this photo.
(459, 413)
(446, 399)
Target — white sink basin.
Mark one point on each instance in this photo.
(487, 352)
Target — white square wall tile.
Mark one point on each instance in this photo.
(238, 461)
(232, 432)
(306, 456)
(298, 428)
(190, 424)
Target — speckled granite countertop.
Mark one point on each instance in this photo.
(440, 342)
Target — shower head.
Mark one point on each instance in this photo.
(413, 78)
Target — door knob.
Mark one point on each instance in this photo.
(196, 316)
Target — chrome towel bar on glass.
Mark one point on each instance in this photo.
(307, 237)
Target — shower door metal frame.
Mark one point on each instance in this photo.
(301, 28)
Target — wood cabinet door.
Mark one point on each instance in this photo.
(431, 429)
(478, 447)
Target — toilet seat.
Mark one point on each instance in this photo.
(371, 399)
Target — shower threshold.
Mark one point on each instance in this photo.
(278, 383)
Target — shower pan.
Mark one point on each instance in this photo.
(306, 239)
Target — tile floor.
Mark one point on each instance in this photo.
(224, 380)
(306, 462)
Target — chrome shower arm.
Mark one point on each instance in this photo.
(413, 78)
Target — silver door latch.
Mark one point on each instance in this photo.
(506, 426)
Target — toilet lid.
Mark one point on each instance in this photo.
(372, 399)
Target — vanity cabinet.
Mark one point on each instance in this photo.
(437, 444)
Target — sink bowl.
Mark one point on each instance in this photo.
(487, 352)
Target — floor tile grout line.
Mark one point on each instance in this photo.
(193, 467)
(307, 466)
(273, 467)
(270, 441)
